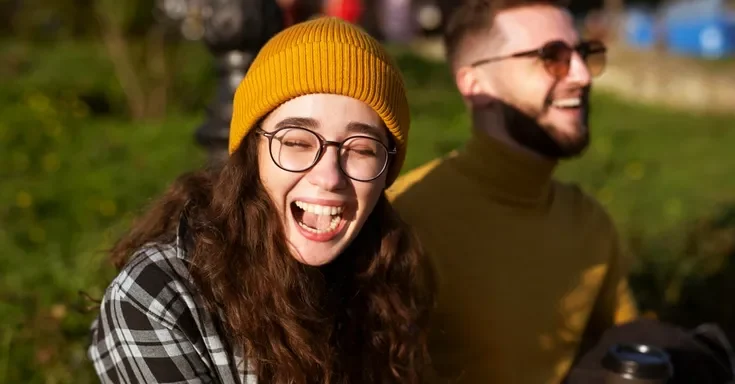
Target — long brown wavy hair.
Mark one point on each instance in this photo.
(362, 318)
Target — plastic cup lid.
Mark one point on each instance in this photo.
(639, 361)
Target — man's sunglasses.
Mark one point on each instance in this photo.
(557, 57)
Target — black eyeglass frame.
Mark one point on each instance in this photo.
(323, 144)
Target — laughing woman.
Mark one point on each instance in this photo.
(288, 265)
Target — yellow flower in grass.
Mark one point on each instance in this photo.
(605, 195)
(108, 208)
(39, 103)
(51, 162)
(23, 199)
(673, 208)
(635, 170)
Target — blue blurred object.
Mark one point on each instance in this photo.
(702, 28)
(640, 28)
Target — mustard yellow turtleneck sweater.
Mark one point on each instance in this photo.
(525, 263)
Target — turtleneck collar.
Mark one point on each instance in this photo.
(507, 174)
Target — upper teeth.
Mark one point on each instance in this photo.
(319, 209)
(571, 102)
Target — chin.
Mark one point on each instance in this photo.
(569, 134)
(573, 147)
(316, 260)
(318, 253)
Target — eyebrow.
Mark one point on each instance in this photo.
(313, 124)
(363, 128)
(304, 122)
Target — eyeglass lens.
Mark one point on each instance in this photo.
(298, 149)
(557, 57)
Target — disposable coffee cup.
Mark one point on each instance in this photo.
(637, 364)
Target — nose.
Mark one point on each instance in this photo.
(326, 173)
(579, 73)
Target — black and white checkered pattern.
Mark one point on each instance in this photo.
(152, 328)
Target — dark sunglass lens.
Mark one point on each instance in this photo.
(595, 56)
(596, 63)
(557, 51)
(557, 56)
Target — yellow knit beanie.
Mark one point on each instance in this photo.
(323, 55)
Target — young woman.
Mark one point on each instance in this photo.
(288, 265)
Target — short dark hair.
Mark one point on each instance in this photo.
(469, 17)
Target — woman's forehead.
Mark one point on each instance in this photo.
(327, 113)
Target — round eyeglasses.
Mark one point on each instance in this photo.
(361, 158)
(556, 56)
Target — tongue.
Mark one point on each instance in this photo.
(316, 221)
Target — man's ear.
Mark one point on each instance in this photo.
(467, 81)
(471, 88)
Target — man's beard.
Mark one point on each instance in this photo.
(527, 132)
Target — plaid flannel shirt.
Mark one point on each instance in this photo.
(153, 328)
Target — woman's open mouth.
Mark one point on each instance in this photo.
(318, 222)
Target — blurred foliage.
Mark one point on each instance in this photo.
(55, 20)
(141, 47)
(68, 180)
(82, 69)
(687, 275)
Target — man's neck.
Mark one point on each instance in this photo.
(493, 121)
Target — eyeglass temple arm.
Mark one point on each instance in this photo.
(534, 52)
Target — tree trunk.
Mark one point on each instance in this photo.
(113, 37)
(157, 99)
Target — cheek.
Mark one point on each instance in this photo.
(533, 95)
(273, 179)
(265, 168)
(369, 193)
(536, 88)
(515, 86)
(263, 160)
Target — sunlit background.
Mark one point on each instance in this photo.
(100, 101)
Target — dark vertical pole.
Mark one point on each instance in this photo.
(235, 31)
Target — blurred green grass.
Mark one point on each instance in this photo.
(69, 182)
(74, 173)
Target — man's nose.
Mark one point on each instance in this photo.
(579, 72)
